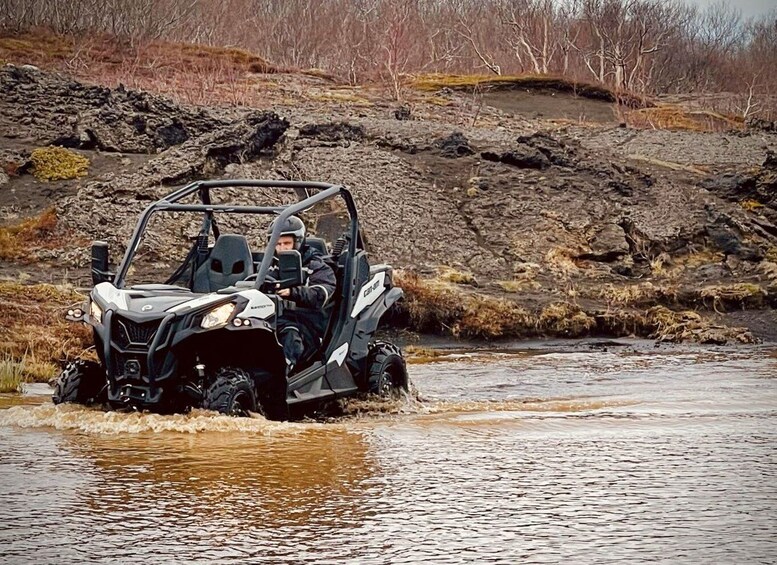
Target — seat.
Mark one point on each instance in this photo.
(318, 244)
(229, 261)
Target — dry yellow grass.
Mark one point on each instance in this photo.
(42, 47)
(34, 46)
(17, 241)
(559, 260)
(751, 205)
(488, 318)
(737, 294)
(449, 274)
(435, 306)
(433, 82)
(33, 328)
(628, 294)
(11, 374)
(677, 118)
(769, 269)
(565, 319)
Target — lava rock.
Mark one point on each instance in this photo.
(337, 131)
(454, 146)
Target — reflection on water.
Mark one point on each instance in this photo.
(584, 457)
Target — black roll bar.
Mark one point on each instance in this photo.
(169, 204)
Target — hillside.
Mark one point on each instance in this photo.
(517, 211)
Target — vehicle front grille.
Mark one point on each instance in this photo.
(130, 334)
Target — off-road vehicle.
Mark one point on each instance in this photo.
(206, 336)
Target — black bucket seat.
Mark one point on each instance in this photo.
(229, 261)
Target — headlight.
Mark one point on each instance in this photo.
(219, 316)
(96, 312)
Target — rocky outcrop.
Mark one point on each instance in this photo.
(56, 110)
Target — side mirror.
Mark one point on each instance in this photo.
(290, 271)
(100, 272)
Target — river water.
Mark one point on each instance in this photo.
(581, 455)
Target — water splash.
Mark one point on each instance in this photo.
(89, 420)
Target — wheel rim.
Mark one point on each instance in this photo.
(240, 404)
(386, 384)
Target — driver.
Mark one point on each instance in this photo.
(303, 329)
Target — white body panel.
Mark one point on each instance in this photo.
(197, 302)
(338, 355)
(369, 293)
(259, 305)
(111, 294)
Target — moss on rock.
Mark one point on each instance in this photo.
(58, 163)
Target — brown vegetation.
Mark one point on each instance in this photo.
(17, 241)
(190, 73)
(436, 306)
(34, 335)
(643, 46)
(678, 118)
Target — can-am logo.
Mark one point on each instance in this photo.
(374, 286)
(146, 308)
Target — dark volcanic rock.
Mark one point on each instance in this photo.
(759, 124)
(337, 131)
(523, 158)
(453, 146)
(536, 151)
(244, 140)
(403, 113)
(759, 186)
(727, 238)
(55, 110)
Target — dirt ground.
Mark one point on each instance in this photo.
(540, 198)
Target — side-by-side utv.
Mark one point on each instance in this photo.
(206, 336)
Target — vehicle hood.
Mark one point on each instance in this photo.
(148, 299)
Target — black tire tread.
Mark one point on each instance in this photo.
(80, 382)
(218, 397)
(379, 354)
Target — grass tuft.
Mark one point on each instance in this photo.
(11, 374)
(16, 242)
(737, 295)
(449, 274)
(565, 319)
(58, 163)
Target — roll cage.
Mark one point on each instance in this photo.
(170, 203)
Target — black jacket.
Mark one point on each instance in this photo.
(313, 298)
(320, 288)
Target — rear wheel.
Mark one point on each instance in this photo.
(232, 393)
(386, 371)
(80, 382)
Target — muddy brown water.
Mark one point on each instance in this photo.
(542, 456)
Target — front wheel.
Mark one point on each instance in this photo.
(80, 382)
(386, 371)
(232, 393)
